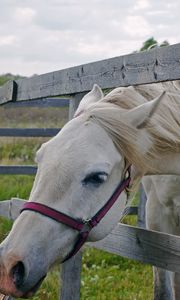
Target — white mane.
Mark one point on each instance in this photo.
(163, 128)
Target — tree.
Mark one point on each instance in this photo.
(152, 43)
(165, 43)
(6, 77)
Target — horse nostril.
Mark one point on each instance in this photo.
(18, 274)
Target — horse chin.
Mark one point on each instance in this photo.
(34, 289)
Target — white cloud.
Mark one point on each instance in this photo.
(137, 27)
(24, 15)
(142, 4)
(42, 36)
(8, 40)
(158, 13)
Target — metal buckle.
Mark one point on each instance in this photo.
(87, 226)
(127, 174)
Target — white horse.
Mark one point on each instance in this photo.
(163, 197)
(79, 169)
(163, 192)
(163, 214)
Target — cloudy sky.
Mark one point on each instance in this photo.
(40, 36)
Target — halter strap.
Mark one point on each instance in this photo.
(83, 226)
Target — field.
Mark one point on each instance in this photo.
(104, 276)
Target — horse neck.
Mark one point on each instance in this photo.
(168, 164)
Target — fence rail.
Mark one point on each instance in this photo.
(28, 132)
(160, 64)
(18, 170)
(42, 103)
(157, 65)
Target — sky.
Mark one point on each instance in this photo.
(40, 36)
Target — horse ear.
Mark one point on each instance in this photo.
(139, 116)
(93, 96)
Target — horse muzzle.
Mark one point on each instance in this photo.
(15, 278)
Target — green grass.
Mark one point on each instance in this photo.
(15, 186)
(104, 276)
(33, 117)
(19, 151)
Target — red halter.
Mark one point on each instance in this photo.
(83, 226)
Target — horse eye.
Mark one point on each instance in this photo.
(95, 178)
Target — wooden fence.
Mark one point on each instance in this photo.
(160, 64)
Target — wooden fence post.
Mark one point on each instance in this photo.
(73, 104)
(162, 280)
(71, 278)
(142, 208)
(71, 270)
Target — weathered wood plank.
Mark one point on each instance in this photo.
(18, 170)
(163, 285)
(142, 208)
(73, 104)
(159, 64)
(71, 278)
(10, 209)
(8, 92)
(151, 247)
(42, 103)
(71, 269)
(29, 132)
(130, 210)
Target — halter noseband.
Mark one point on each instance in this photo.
(83, 226)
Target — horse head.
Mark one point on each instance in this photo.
(78, 171)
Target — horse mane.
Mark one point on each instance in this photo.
(163, 129)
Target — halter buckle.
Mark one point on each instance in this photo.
(87, 226)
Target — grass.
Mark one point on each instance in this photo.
(104, 276)
(33, 117)
(19, 151)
